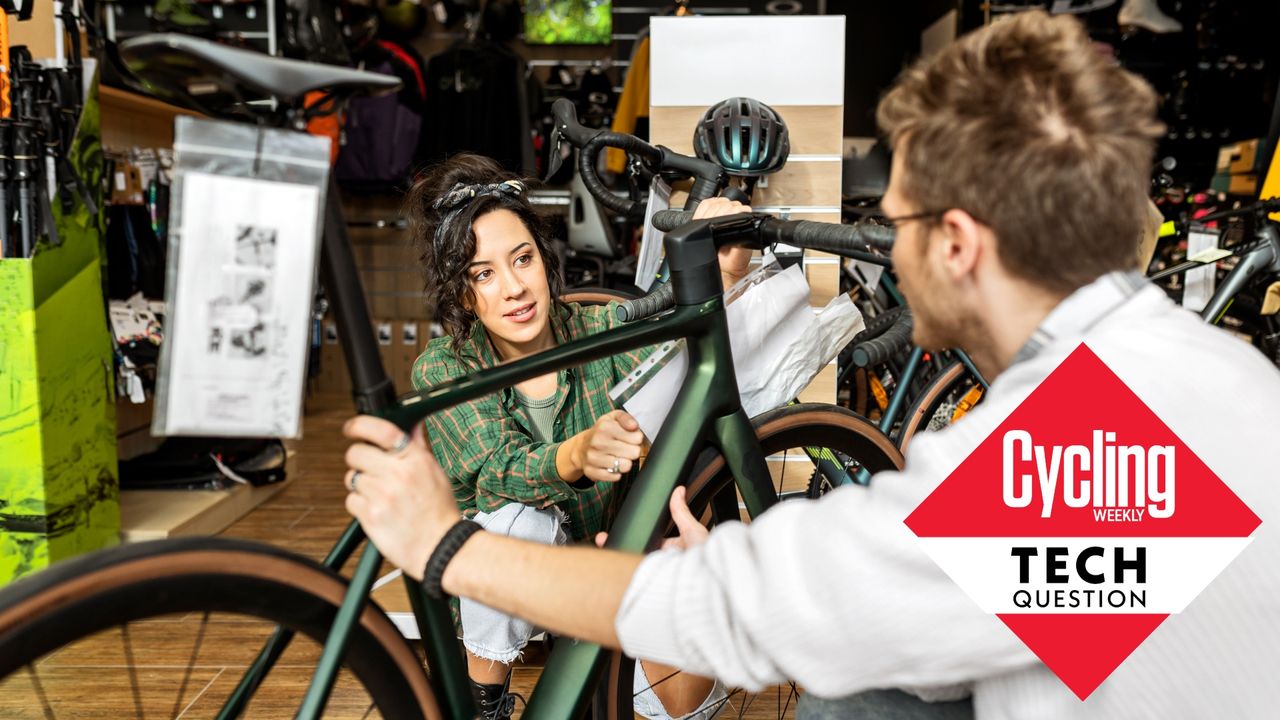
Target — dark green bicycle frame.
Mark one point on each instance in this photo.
(707, 412)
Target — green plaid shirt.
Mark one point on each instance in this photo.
(486, 446)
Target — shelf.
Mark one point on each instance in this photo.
(132, 120)
(161, 514)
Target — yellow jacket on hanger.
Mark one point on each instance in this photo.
(633, 104)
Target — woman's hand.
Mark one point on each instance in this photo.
(397, 491)
(612, 443)
(692, 532)
(735, 262)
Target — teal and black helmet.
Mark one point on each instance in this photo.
(744, 136)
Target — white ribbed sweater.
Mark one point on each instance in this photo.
(837, 594)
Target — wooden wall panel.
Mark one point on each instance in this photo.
(823, 387)
(130, 120)
(801, 184)
(824, 282)
(814, 129)
(809, 183)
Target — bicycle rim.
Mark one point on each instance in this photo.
(167, 629)
(790, 438)
(935, 407)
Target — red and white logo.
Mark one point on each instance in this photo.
(1083, 520)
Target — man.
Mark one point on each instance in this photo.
(1018, 189)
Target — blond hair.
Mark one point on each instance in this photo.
(1039, 136)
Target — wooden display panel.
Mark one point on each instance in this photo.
(811, 183)
(813, 130)
(160, 514)
(804, 184)
(130, 120)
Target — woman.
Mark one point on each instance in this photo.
(549, 459)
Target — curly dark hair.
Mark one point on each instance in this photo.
(445, 259)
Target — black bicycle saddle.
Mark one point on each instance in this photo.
(220, 80)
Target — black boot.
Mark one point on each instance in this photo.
(493, 702)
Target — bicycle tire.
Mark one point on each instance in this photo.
(594, 296)
(792, 426)
(82, 597)
(953, 377)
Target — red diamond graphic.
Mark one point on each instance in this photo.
(1075, 520)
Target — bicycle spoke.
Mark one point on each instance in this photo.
(794, 693)
(186, 677)
(782, 477)
(44, 699)
(133, 672)
(654, 685)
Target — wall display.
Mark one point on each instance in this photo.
(568, 22)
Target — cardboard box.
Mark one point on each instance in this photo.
(1238, 158)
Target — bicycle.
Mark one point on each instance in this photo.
(1256, 259)
(74, 601)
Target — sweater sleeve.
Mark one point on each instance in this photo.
(836, 594)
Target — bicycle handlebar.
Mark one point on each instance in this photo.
(849, 240)
(846, 240)
(890, 341)
(587, 158)
(708, 177)
(661, 298)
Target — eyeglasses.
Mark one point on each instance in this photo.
(894, 222)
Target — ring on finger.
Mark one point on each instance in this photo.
(401, 444)
(616, 468)
(351, 486)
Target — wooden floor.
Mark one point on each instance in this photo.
(146, 674)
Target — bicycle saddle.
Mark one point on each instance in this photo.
(219, 80)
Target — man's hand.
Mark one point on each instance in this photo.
(401, 498)
(614, 440)
(735, 262)
(692, 532)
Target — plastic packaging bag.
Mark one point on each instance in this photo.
(246, 212)
(779, 345)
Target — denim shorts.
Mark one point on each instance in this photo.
(648, 705)
(487, 633)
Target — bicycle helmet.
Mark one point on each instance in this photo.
(744, 136)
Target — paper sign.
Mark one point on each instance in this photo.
(240, 322)
(651, 243)
(778, 344)
(1200, 281)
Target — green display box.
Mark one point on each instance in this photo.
(59, 489)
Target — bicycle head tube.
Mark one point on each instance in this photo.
(692, 253)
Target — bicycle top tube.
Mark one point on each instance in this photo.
(686, 322)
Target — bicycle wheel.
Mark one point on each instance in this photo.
(947, 398)
(166, 629)
(594, 296)
(790, 437)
